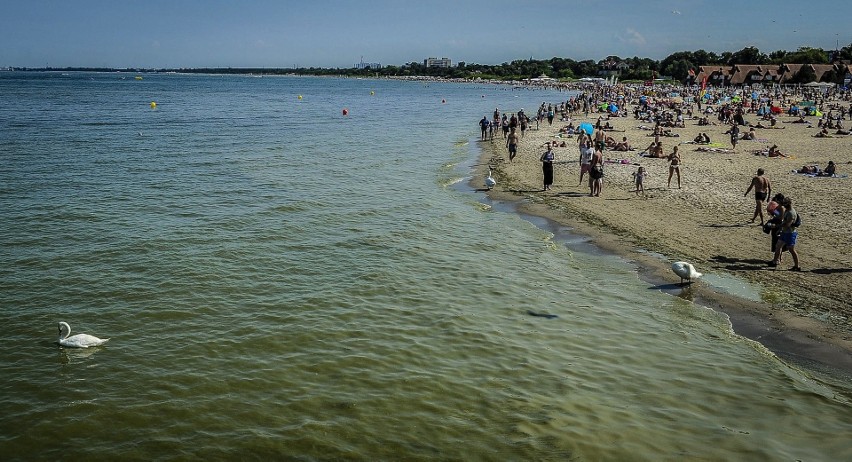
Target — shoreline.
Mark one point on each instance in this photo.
(802, 322)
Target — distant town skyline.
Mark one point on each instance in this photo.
(330, 34)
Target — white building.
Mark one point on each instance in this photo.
(363, 65)
(435, 62)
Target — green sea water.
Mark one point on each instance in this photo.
(280, 281)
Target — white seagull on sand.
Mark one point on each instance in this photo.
(685, 271)
(79, 340)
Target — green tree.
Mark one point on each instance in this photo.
(678, 70)
(778, 57)
(586, 68)
(845, 53)
(748, 55)
(805, 75)
(703, 58)
(674, 57)
(807, 55)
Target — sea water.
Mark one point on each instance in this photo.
(279, 280)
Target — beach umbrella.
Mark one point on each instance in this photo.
(613, 107)
(587, 127)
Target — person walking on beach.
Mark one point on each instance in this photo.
(586, 152)
(762, 190)
(547, 167)
(512, 144)
(735, 135)
(483, 126)
(639, 178)
(674, 167)
(596, 174)
(789, 235)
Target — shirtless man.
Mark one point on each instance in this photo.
(762, 190)
(600, 140)
(512, 144)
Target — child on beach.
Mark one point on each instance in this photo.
(639, 177)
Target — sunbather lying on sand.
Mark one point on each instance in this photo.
(706, 149)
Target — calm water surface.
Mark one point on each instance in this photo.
(281, 281)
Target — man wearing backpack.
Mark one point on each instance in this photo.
(787, 239)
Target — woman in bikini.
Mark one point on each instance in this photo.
(674, 167)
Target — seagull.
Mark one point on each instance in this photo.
(489, 181)
(79, 340)
(685, 271)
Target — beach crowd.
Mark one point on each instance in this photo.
(700, 145)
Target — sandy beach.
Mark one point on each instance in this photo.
(707, 220)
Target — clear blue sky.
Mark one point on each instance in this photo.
(337, 33)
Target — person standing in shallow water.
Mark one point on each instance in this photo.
(547, 167)
(762, 190)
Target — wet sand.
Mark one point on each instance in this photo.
(805, 317)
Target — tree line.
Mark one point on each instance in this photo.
(675, 66)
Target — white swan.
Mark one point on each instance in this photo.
(79, 340)
(685, 271)
(489, 181)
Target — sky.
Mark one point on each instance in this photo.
(339, 33)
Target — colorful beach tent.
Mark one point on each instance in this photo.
(587, 127)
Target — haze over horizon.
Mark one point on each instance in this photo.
(339, 33)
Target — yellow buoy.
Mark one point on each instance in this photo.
(300, 96)
(153, 104)
(372, 93)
